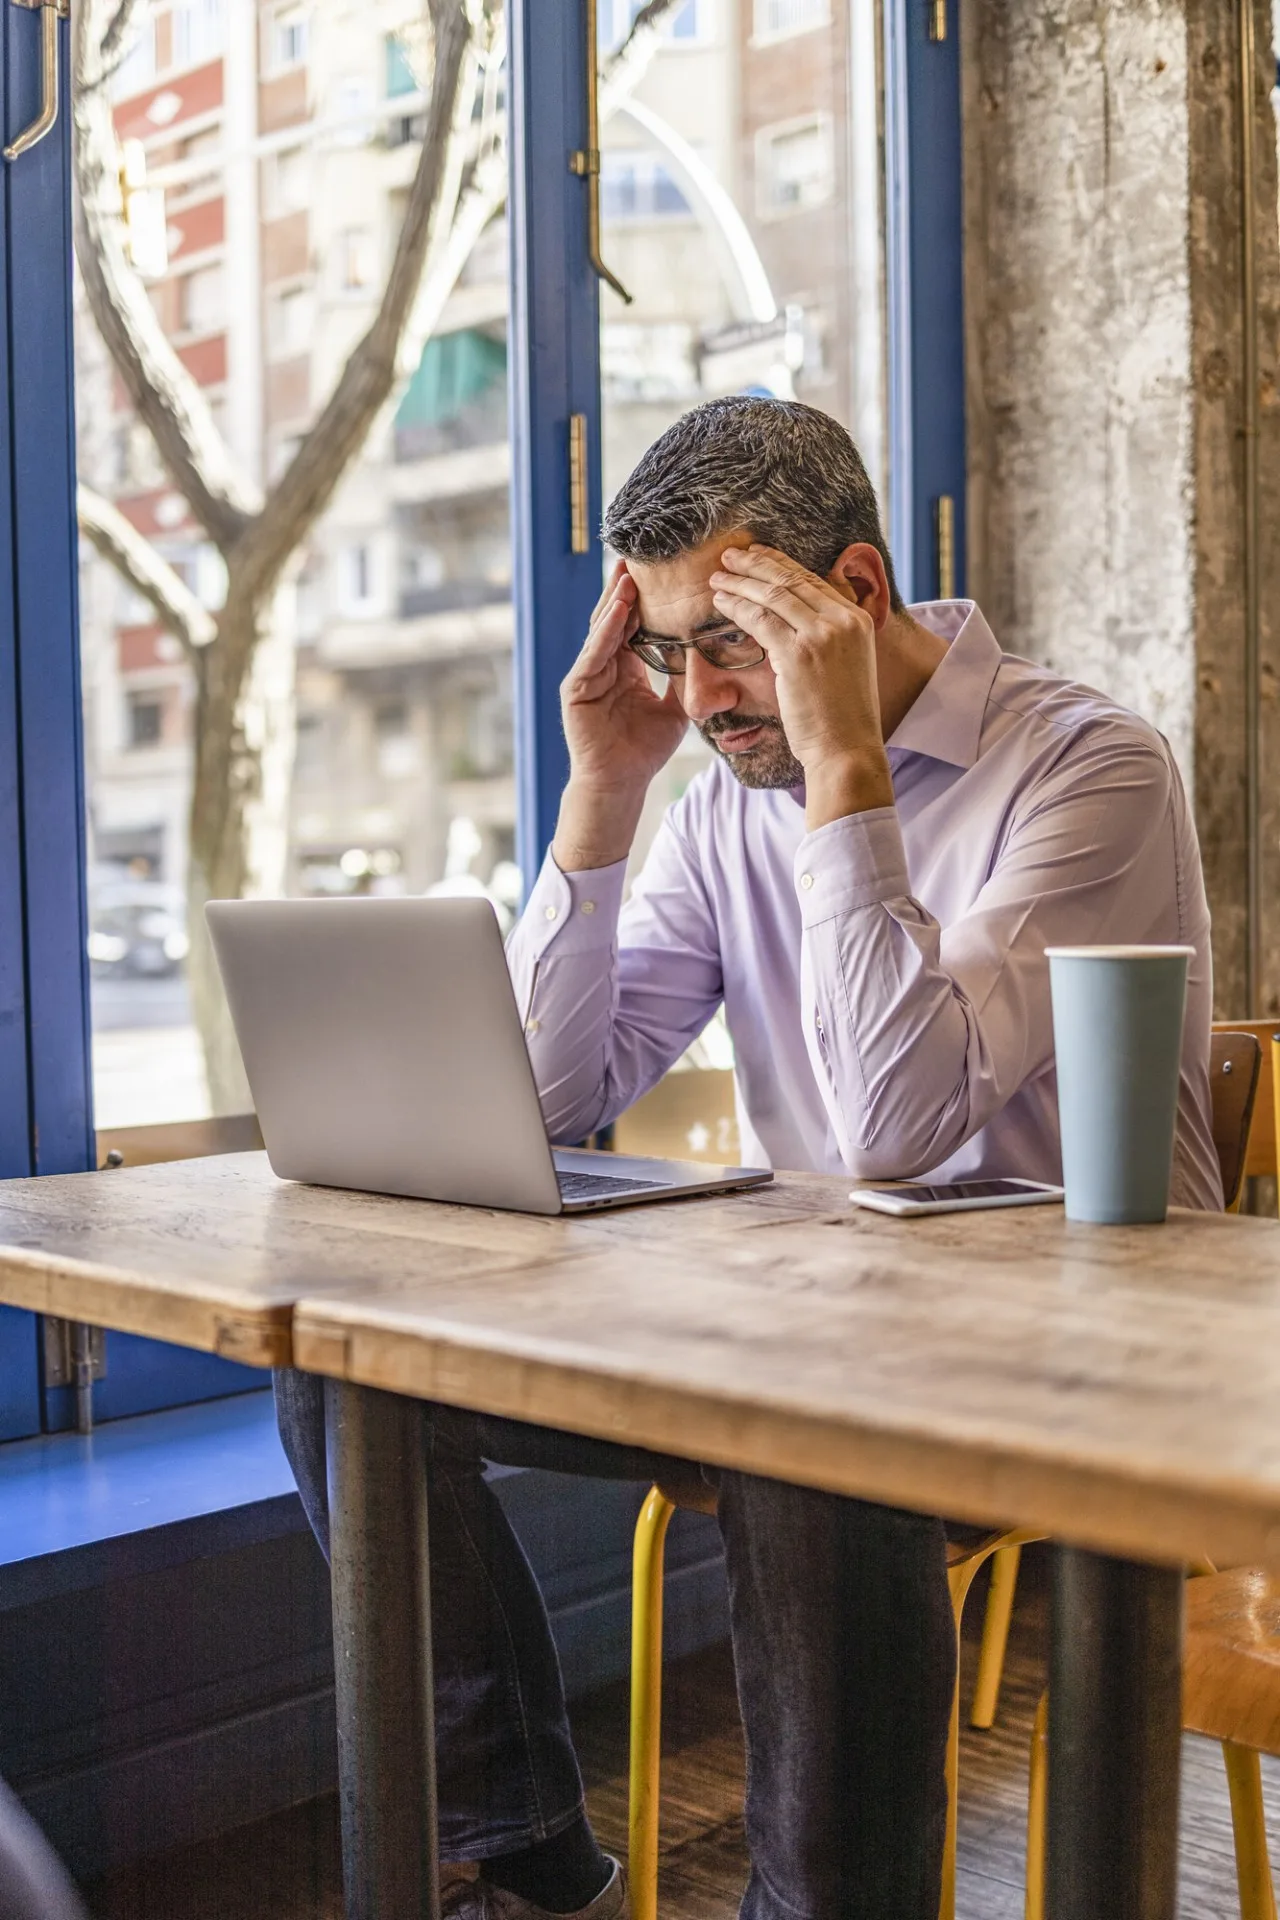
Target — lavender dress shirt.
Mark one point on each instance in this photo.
(884, 979)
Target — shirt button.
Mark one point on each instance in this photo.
(532, 1026)
(806, 881)
(550, 912)
(588, 906)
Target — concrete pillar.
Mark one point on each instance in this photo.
(1106, 393)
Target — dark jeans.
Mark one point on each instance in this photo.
(843, 1644)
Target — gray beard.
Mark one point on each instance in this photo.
(770, 765)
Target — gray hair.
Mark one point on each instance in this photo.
(787, 473)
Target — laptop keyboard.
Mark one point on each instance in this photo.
(595, 1186)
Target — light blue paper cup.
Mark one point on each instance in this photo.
(1117, 1031)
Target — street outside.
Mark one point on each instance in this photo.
(147, 1065)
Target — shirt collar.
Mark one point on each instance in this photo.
(945, 722)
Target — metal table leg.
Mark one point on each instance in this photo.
(1115, 1737)
(382, 1653)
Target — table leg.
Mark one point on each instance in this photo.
(1115, 1739)
(382, 1653)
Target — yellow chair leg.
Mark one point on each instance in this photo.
(646, 1703)
(995, 1636)
(1037, 1798)
(1248, 1820)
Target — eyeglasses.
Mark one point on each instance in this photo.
(728, 651)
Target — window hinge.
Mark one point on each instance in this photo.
(944, 534)
(579, 530)
(937, 19)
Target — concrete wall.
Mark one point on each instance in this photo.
(1106, 402)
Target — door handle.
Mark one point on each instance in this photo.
(50, 11)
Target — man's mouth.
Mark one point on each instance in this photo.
(741, 741)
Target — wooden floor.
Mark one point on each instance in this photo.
(287, 1868)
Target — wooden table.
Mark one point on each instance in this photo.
(1118, 1388)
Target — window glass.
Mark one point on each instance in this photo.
(794, 165)
(741, 197)
(400, 76)
(776, 19)
(375, 737)
(197, 31)
(288, 38)
(202, 306)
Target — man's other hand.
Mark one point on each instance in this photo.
(620, 733)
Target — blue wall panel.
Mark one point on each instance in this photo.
(144, 1376)
(555, 372)
(19, 1378)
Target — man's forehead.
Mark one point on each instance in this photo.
(675, 595)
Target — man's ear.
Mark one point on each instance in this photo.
(859, 573)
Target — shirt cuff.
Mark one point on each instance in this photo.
(577, 912)
(859, 861)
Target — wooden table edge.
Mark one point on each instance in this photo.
(111, 1297)
(1143, 1517)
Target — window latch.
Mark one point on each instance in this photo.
(50, 11)
(585, 162)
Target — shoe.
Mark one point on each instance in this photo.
(481, 1900)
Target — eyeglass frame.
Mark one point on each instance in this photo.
(638, 645)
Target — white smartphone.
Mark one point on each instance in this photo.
(963, 1196)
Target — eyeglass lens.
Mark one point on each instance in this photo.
(724, 650)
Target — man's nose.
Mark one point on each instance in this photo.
(705, 689)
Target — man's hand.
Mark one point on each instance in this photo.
(821, 646)
(620, 734)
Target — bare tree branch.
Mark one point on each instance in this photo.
(115, 41)
(369, 376)
(167, 399)
(628, 63)
(140, 566)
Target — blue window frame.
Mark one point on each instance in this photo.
(555, 375)
(45, 1078)
(925, 275)
(45, 1120)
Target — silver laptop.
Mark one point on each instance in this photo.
(385, 1051)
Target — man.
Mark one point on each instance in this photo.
(899, 819)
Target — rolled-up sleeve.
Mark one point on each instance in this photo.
(919, 1033)
(612, 995)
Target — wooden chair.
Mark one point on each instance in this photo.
(1231, 1663)
(1245, 1092)
(694, 1495)
(1259, 1157)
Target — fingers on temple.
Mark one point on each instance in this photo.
(765, 621)
(764, 574)
(606, 635)
(618, 585)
